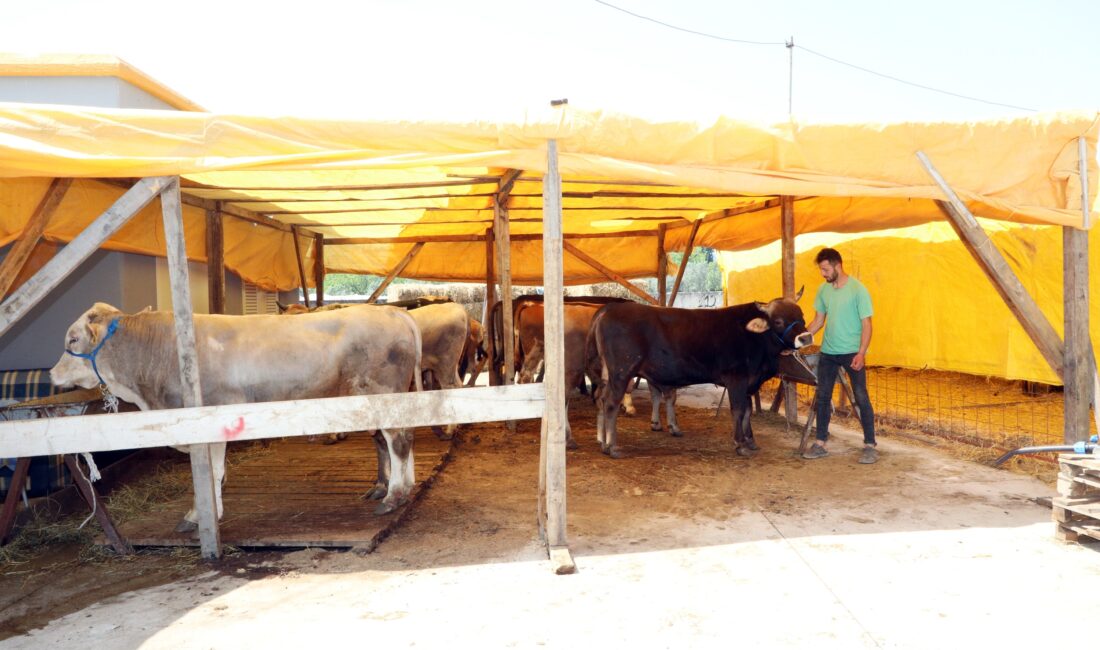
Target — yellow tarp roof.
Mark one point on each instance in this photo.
(622, 178)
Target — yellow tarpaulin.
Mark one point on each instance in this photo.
(934, 307)
(622, 179)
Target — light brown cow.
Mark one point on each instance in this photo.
(474, 356)
(444, 329)
(355, 351)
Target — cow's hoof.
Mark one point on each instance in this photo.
(655, 426)
(186, 526)
(604, 449)
(629, 411)
(677, 434)
(376, 493)
(343, 435)
(571, 444)
(385, 508)
(615, 452)
(331, 440)
(745, 452)
(441, 434)
(751, 444)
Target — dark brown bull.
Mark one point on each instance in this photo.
(736, 347)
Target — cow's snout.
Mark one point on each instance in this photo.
(803, 339)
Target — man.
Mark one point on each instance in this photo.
(843, 307)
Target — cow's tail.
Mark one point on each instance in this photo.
(418, 374)
(495, 325)
(593, 365)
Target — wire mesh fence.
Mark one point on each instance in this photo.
(982, 411)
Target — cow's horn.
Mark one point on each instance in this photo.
(281, 306)
(798, 296)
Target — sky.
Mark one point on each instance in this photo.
(496, 59)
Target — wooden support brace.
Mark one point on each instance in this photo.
(215, 260)
(32, 232)
(786, 205)
(662, 266)
(684, 262)
(99, 508)
(79, 249)
(993, 263)
(413, 252)
(301, 266)
(11, 501)
(611, 275)
(319, 268)
(504, 253)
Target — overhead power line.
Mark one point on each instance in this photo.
(790, 45)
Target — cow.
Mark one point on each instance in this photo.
(737, 347)
(444, 329)
(241, 359)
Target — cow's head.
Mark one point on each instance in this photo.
(82, 337)
(783, 318)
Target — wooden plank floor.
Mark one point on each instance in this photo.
(298, 494)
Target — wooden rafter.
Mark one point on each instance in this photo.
(417, 247)
(32, 232)
(684, 262)
(611, 275)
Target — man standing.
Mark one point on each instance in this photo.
(843, 307)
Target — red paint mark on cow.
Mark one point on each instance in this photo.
(232, 432)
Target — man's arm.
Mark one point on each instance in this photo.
(816, 324)
(864, 343)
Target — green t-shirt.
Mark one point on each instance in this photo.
(844, 310)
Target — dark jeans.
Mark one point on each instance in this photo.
(827, 369)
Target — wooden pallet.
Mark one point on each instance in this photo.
(1076, 509)
(299, 495)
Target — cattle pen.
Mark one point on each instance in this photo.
(567, 196)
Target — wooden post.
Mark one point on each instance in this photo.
(78, 250)
(319, 268)
(215, 259)
(301, 266)
(396, 270)
(662, 265)
(1079, 371)
(490, 300)
(554, 355)
(610, 274)
(684, 262)
(202, 474)
(786, 209)
(504, 251)
(32, 232)
(1019, 301)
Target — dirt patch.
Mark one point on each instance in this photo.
(482, 507)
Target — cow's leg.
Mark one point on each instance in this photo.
(738, 401)
(628, 402)
(383, 452)
(190, 521)
(655, 398)
(670, 412)
(746, 426)
(402, 474)
(615, 388)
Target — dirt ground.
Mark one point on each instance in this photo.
(680, 544)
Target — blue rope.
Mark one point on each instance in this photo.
(111, 329)
(783, 338)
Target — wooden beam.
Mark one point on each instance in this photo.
(11, 500)
(230, 196)
(215, 261)
(211, 204)
(79, 249)
(472, 180)
(98, 507)
(611, 275)
(396, 271)
(786, 211)
(442, 239)
(554, 352)
(504, 187)
(490, 301)
(319, 268)
(735, 212)
(662, 266)
(993, 263)
(32, 232)
(1083, 172)
(202, 473)
(304, 417)
(301, 266)
(684, 263)
(1078, 366)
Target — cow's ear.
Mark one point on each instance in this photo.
(762, 306)
(757, 325)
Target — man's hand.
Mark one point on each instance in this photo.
(858, 361)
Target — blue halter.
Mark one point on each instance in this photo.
(783, 338)
(111, 329)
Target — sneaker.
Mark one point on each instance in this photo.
(815, 451)
(869, 455)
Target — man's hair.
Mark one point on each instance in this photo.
(830, 255)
